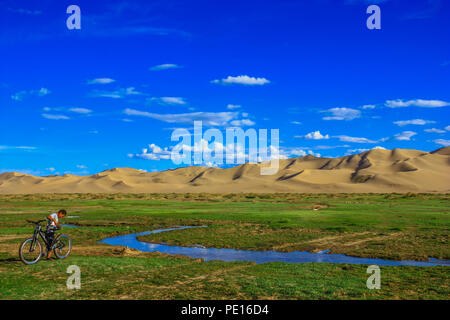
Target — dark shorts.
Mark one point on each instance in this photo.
(50, 236)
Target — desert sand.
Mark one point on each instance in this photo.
(377, 170)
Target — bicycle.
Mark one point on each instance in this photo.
(31, 251)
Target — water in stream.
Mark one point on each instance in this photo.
(131, 241)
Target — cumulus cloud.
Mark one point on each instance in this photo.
(233, 106)
(243, 79)
(419, 122)
(214, 153)
(442, 142)
(300, 152)
(315, 135)
(368, 106)
(101, 81)
(153, 152)
(164, 66)
(405, 135)
(399, 103)
(19, 96)
(208, 118)
(434, 130)
(342, 114)
(55, 116)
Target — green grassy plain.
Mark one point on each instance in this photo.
(390, 226)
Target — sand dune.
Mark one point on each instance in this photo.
(398, 170)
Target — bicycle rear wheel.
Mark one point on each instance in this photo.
(62, 246)
(30, 251)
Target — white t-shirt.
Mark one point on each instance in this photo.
(54, 216)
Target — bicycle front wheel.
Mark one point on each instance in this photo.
(63, 246)
(30, 251)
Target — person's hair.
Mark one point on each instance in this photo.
(63, 212)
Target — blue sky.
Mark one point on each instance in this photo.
(82, 101)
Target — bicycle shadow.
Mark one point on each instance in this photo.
(9, 260)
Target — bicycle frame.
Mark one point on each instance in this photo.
(38, 232)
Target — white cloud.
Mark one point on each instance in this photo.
(101, 81)
(447, 128)
(55, 116)
(208, 118)
(405, 135)
(368, 106)
(80, 110)
(399, 103)
(315, 135)
(117, 94)
(22, 94)
(442, 142)
(331, 147)
(342, 114)
(243, 79)
(51, 169)
(164, 66)
(24, 171)
(25, 148)
(233, 106)
(300, 152)
(43, 92)
(243, 122)
(229, 152)
(296, 122)
(81, 166)
(419, 122)
(354, 139)
(363, 150)
(173, 100)
(25, 11)
(434, 130)
(315, 154)
(153, 152)
(168, 100)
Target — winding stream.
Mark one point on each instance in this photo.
(228, 255)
